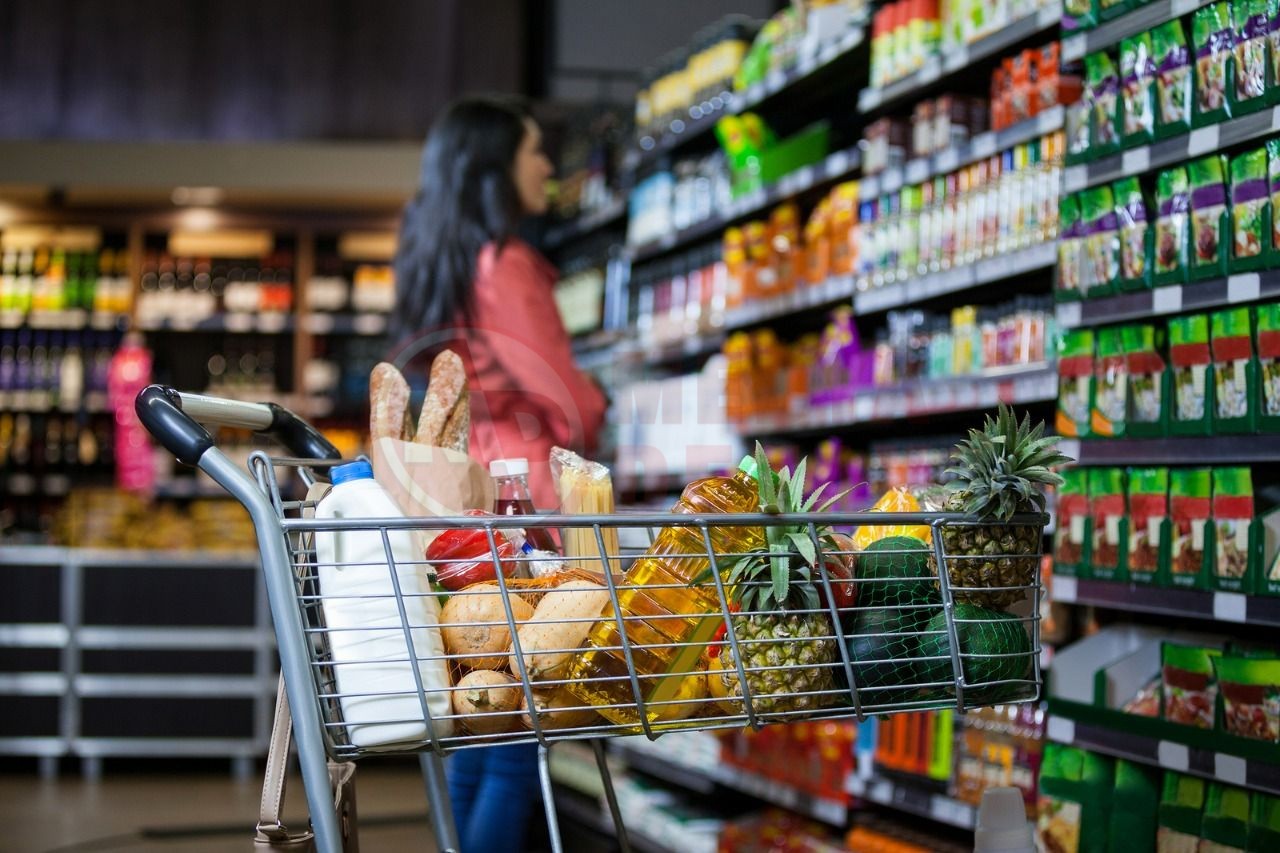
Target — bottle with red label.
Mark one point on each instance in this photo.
(511, 497)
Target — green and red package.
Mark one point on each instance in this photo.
(1190, 507)
(1235, 372)
(1192, 360)
(1075, 383)
(1148, 523)
(1107, 512)
(1233, 512)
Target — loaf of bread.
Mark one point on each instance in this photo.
(457, 430)
(388, 403)
(446, 391)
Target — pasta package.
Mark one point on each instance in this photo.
(585, 488)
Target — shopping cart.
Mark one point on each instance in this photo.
(616, 643)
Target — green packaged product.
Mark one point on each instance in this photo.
(1149, 381)
(1192, 361)
(1233, 529)
(1268, 326)
(1173, 227)
(1133, 808)
(1102, 89)
(1225, 827)
(1075, 383)
(1076, 120)
(1075, 799)
(1173, 79)
(1110, 384)
(1210, 218)
(1250, 688)
(1273, 188)
(1101, 245)
(1190, 508)
(1079, 15)
(1107, 516)
(1070, 241)
(1235, 372)
(1137, 238)
(1137, 90)
(1180, 813)
(1264, 823)
(1250, 22)
(1250, 211)
(1273, 42)
(1109, 9)
(1149, 529)
(1212, 39)
(1070, 538)
(1189, 691)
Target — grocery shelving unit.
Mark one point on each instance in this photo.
(1108, 33)
(1210, 605)
(913, 798)
(1241, 288)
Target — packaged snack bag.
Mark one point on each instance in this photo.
(1148, 523)
(1251, 24)
(1149, 382)
(1250, 696)
(1107, 513)
(1173, 79)
(1192, 360)
(1273, 187)
(1102, 83)
(1173, 227)
(1180, 813)
(1225, 826)
(1190, 691)
(1250, 211)
(1137, 238)
(1235, 371)
(1138, 90)
(1070, 539)
(1079, 15)
(1101, 241)
(1074, 806)
(1233, 529)
(1070, 242)
(1110, 385)
(1214, 41)
(1268, 324)
(1210, 218)
(1190, 507)
(1075, 383)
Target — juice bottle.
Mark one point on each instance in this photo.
(657, 589)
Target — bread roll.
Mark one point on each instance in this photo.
(445, 389)
(457, 430)
(388, 402)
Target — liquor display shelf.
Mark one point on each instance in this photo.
(1108, 33)
(914, 799)
(1024, 385)
(1171, 299)
(1168, 152)
(239, 322)
(1181, 603)
(837, 165)
(936, 68)
(70, 319)
(980, 147)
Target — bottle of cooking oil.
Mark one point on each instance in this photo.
(667, 621)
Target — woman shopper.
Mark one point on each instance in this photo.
(464, 280)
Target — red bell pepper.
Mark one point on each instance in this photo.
(462, 556)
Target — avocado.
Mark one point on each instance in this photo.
(894, 571)
(881, 649)
(980, 632)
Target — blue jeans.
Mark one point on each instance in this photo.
(493, 790)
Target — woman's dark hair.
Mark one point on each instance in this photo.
(466, 198)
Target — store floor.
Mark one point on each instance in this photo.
(205, 813)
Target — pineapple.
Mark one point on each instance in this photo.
(998, 471)
(793, 652)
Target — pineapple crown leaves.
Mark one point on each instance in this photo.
(999, 468)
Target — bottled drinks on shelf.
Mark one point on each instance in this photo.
(188, 290)
(44, 279)
(47, 370)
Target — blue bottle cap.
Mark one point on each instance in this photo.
(359, 470)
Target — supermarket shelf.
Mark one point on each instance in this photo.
(564, 233)
(54, 555)
(69, 320)
(834, 166)
(1040, 257)
(1183, 603)
(365, 323)
(804, 298)
(913, 799)
(1144, 158)
(871, 99)
(704, 778)
(264, 324)
(1075, 46)
(580, 810)
(38, 402)
(48, 485)
(779, 82)
(980, 147)
(1212, 450)
(1171, 299)
(1025, 386)
(692, 347)
(1171, 755)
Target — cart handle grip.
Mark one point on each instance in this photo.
(175, 420)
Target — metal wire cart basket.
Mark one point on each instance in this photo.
(658, 633)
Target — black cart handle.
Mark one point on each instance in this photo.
(175, 419)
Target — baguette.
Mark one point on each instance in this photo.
(457, 430)
(444, 391)
(388, 402)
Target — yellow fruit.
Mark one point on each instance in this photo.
(691, 697)
(718, 686)
(895, 500)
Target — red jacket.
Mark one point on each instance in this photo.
(527, 395)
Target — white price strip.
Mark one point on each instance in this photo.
(1073, 48)
(1230, 769)
(805, 66)
(983, 145)
(869, 99)
(1061, 730)
(1136, 161)
(892, 181)
(869, 188)
(775, 81)
(1173, 756)
(829, 811)
(1244, 287)
(917, 171)
(804, 178)
(1203, 140)
(948, 160)
(1050, 120)
(1229, 606)
(319, 324)
(1074, 178)
(864, 408)
(881, 792)
(369, 324)
(1069, 314)
(1065, 589)
(838, 163)
(1178, 8)
(1166, 300)
(271, 323)
(828, 53)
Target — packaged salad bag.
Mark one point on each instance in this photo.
(1267, 322)
(1101, 243)
(1210, 217)
(1150, 381)
(1213, 40)
(1070, 240)
(1079, 15)
(1273, 186)
(1251, 24)
(1075, 383)
(1190, 508)
(1250, 688)
(1137, 237)
(1234, 531)
(1173, 227)
(1137, 90)
(1251, 211)
(1071, 537)
(1235, 372)
(1110, 384)
(1109, 524)
(1149, 526)
(1102, 90)
(1174, 79)
(1191, 358)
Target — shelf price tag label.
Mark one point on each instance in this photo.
(1166, 300)
(1073, 48)
(319, 324)
(1230, 769)
(1136, 161)
(1178, 8)
(1244, 287)
(1061, 730)
(917, 170)
(1229, 606)
(983, 145)
(948, 160)
(1074, 178)
(1173, 756)
(838, 163)
(1069, 314)
(1065, 588)
(1203, 140)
